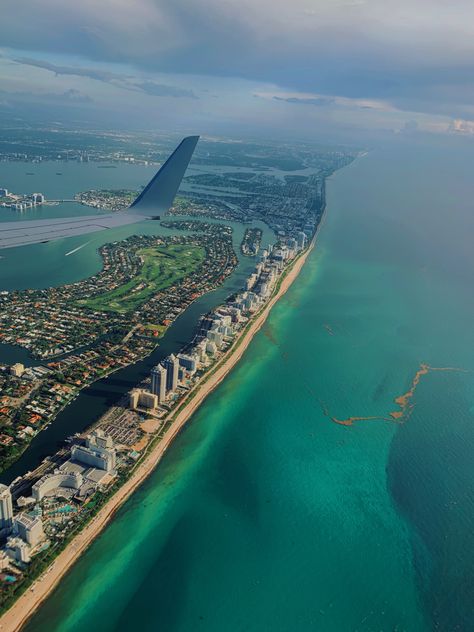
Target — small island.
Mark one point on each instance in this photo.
(107, 199)
(251, 242)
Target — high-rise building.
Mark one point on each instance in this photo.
(144, 399)
(38, 198)
(147, 399)
(250, 281)
(158, 382)
(18, 550)
(211, 348)
(216, 337)
(188, 362)
(99, 451)
(6, 508)
(292, 243)
(54, 480)
(200, 350)
(17, 369)
(301, 239)
(171, 365)
(133, 398)
(29, 528)
(100, 439)
(236, 314)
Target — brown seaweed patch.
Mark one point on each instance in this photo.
(269, 333)
(350, 420)
(403, 401)
(397, 414)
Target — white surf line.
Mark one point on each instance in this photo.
(71, 252)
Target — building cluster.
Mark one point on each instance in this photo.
(274, 203)
(173, 377)
(165, 378)
(91, 466)
(63, 145)
(286, 202)
(20, 202)
(50, 322)
(251, 242)
(105, 199)
(22, 534)
(32, 397)
(55, 321)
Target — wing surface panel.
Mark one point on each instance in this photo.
(13, 234)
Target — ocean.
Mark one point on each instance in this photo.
(294, 500)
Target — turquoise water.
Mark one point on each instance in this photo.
(267, 515)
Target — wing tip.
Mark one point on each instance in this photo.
(169, 177)
(190, 139)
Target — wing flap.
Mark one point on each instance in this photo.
(23, 233)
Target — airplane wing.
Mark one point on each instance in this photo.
(155, 199)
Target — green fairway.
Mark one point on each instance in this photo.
(162, 267)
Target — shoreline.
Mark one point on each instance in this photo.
(27, 603)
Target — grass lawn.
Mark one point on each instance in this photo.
(162, 267)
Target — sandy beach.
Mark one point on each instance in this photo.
(27, 603)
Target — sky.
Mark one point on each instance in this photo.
(280, 67)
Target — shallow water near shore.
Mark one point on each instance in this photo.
(266, 514)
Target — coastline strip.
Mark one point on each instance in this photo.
(25, 606)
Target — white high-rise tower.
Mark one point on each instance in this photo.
(158, 382)
(6, 508)
(171, 365)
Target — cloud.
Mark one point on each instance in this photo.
(127, 82)
(99, 75)
(321, 101)
(162, 90)
(415, 54)
(317, 101)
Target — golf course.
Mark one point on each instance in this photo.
(162, 267)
